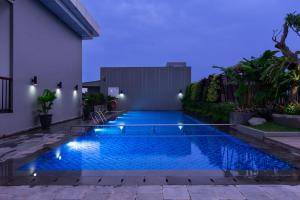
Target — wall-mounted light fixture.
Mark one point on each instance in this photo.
(121, 94)
(76, 88)
(34, 80)
(180, 94)
(59, 85)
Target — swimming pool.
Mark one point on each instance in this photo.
(126, 144)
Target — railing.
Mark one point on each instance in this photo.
(5, 94)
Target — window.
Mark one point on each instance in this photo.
(113, 91)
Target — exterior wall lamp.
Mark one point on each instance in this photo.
(76, 88)
(59, 85)
(34, 80)
(180, 94)
(121, 94)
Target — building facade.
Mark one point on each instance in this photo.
(41, 45)
(146, 88)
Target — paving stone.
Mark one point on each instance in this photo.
(72, 193)
(150, 189)
(175, 192)
(6, 197)
(102, 189)
(149, 196)
(228, 192)
(125, 189)
(204, 196)
(293, 188)
(252, 192)
(202, 192)
(279, 193)
(199, 189)
(122, 196)
(96, 196)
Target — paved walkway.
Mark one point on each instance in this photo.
(293, 142)
(180, 192)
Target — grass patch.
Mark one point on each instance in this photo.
(271, 126)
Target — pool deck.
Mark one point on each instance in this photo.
(26, 143)
(152, 192)
(292, 143)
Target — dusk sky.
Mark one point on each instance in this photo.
(201, 32)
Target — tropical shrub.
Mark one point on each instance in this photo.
(212, 91)
(218, 112)
(292, 109)
(46, 101)
(94, 99)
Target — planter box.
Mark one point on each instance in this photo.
(287, 120)
(240, 117)
(262, 134)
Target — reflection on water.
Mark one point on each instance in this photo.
(126, 153)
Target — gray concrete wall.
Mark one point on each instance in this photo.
(46, 48)
(147, 88)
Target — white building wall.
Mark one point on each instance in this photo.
(46, 48)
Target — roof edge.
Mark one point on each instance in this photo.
(75, 16)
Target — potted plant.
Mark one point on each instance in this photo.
(46, 101)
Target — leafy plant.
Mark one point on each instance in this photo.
(46, 101)
(218, 112)
(110, 98)
(212, 92)
(94, 99)
(291, 109)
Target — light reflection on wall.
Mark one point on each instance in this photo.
(32, 90)
(75, 94)
(58, 92)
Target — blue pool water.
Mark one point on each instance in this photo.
(175, 147)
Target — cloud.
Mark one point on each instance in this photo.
(146, 12)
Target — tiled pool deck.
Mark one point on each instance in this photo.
(152, 192)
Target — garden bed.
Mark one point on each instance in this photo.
(274, 127)
(287, 120)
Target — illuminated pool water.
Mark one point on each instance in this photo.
(175, 147)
